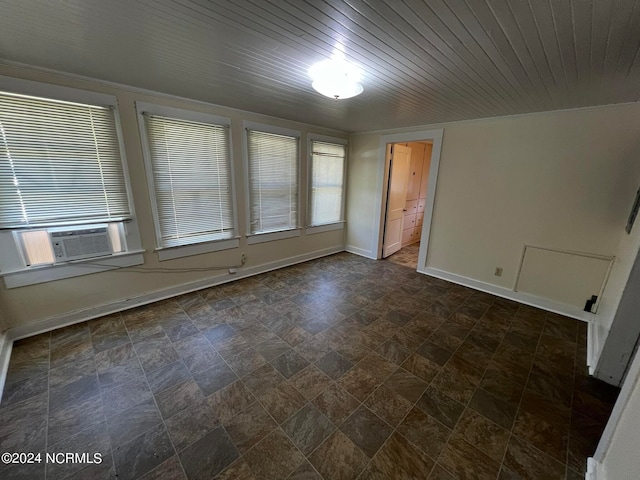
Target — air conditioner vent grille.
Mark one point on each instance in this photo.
(76, 244)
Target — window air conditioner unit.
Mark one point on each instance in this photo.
(80, 243)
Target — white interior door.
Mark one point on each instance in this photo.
(396, 199)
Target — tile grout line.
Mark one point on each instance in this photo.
(256, 399)
(511, 434)
(206, 396)
(430, 383)
(279, 425)
(466, 405)
(191, 378)
(414, 405)
(155, 402)
(310, 401)
(46, 437)
(504, 455)
(100, 389)
(572, 411)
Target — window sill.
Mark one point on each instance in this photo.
(49, 273)
(271, 236)
(327, 227)
(169, 253)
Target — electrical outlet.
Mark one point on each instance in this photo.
(498, 272)
(243, 259)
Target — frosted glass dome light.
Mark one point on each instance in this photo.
(336, 78)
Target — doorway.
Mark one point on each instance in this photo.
(410, 164)
(399, 160)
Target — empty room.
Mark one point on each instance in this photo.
(319, 239)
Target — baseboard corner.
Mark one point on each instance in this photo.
(593, 469)
(520, 297)
(360, 252)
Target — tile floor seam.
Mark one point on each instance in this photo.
(511, 433)
(500, 464)
(308, 456)
(278, 424)
(162, 419)
(466, 405)
(46, 437)
(572, 411)
(113, 459)
(395, 429)
(241, 456)
(312, 466)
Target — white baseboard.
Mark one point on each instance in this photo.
(5, 355)
(520, 297)
(360, 251)
(593, 469)
(77, 316)
(596, 337)
(626, 392)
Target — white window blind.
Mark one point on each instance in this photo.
(327, 182)
(191, 169)
(60, 163)
(273, 181)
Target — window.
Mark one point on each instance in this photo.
(273, 180)
(62, 176)
(327, 182)
(191, 180)
(60, 164)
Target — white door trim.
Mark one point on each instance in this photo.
(434, 135)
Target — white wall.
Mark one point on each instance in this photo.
(361, 210)
(26, 307)
(616, 457)
(562, 180)
(608, 369)
(622, 460)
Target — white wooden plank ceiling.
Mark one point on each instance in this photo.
(424, 61)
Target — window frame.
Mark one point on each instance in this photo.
(337, 225)
(260, 237)
(197, 248)
(12, 267)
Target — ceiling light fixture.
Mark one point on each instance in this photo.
(336, 78)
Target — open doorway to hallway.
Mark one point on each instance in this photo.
(406, 197)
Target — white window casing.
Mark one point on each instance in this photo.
(327, 166)
(188, 161)
(62, 166)
(60, 163)
(272, 157)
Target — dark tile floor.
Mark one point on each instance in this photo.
(406, 256)
(339, 368)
